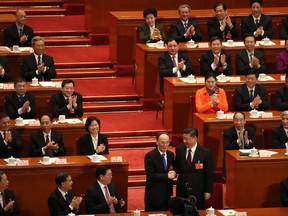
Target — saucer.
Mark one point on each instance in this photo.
(161, 47)
(13, 164)
(62, 122)
(194, 46)
(219, 80)
(15, 51)
(192, 81)
(34, 84)
(262, 79)
(97, 161)
(20, 124)
(254, 116)
(253, 155)
(286, 154)
(45, 163)
(223, 117)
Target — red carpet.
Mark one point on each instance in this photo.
(135, 198)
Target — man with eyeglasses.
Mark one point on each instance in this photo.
(159, 175)
(20, 102)
(46, 142)
(280, 134)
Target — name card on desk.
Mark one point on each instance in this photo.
(241, 214)
(235, 79)
(22, 163)
(200, 80)
(282, 77)
(116, 159)
(8, 86)
(203, 45)
(267, 115)
(61, 161)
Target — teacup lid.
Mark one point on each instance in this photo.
(34, 78)
(19, 118)
(211, 208)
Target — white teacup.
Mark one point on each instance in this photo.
(95, 157)
(61, 118)
(34, 81)
(254, 113)
(222, 77)
(46, 159)
(191, 78)
(71, 214)
(266, 40)
(160, 44)
(230, 42)
(253, 151)
(19, 121)
(191, 43)
(286, 150)
(220, 113)
(15, 48)
(262, 76)
(282, 42)
(210, 211)
(136, 213)
(11, 160)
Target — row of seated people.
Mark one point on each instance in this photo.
(223, 26)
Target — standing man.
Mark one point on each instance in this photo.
(250, 58)
(38, 64)
(222, 25)
(282, 96)
(8, 205)
(173, 63)
(280, 134)
(10, 142)
(102, 197)
(67, 102)
(18, 33)
(159, 177)
(185, 28)
(194, 165)
(20, 102)
(5, 75)
(46, 142)
(62, 200)
(258, 24)
(250, 95)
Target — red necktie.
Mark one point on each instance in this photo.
(112, 210)
(189, 158)
(3, 199)
(48, 151)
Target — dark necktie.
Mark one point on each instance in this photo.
(185, 26)
(241, 146)
(21, 99)
(67, 100)
(48, 151)
(3, 199)
(174, 65)
(20, 32)
(39, 60)
(257, 23)
(189, 158)
(251, 95)
(112, 210)
(67, 198)
(251, 57)
(164, 161)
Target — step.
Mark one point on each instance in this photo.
(135, 181)
(112, 106)
(111, 97)
(67, 40)
(64, 33)
(131, 142)
(14, 3)
(84, 64)
(36, 11)
(85, 72)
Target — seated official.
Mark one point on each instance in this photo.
(67, 102)
(93, 142)
(215, 60)
(284, 29)
(280, 135)
(46, 142)
(38, 64)
(10, 142)
(18, 33)
(173, 63)
(251, 95)
(5, 75)
(284, 192)
(258, 24)
(176, 206)
(151, 32)
(222, 25)
(250, 58)
(62, 200)
(282, 60)
(20, 102)
(102, 197)
(185, 28)
(282, 96)
(211, 98)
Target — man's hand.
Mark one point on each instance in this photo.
(76, 202)
(23, 38)
(207, 196)
(172, 174)
(25, 106)
(9, 206)
(8, 137)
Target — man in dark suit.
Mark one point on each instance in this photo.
(101, 197)
(18, 33)
(8, 205)
(258, 24)
(10, 142)
(222, 25)
(38, 64)
(282, 96)
(250, 58)
(185, 28)
(46, 142)
(159, 177)
(62, 200)
(67, 102)
(173, 63)
(20, 102)
(250, 95)
(284, 192)
(215, 60)
(194, 166)
(5, 75)
(284, 29)
(280, 134)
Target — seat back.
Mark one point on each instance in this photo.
(78, 152)
(192, 109)
(273, 100)
(216, 199)
(267, 138)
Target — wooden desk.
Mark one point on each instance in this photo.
(254, 182)
(177, 107)
(147, 75)
(5, 20)
(123, 24)
(210, 132)
(32, 184)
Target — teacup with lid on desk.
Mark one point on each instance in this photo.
(19, 121)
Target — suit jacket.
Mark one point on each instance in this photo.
(284, 192)
(96, 201)
(29, 67)
(242, 98)
(282, 62)
(279, 137)
(200, 180)
(57, 204)
(13, 148)
(7, 74)
(86, 144)
(59, 106)
(145, 33)
(242, 62)
(230, 137)
(284, 29)
(282, 99)
(165, 67)
(177, 31)
(202, 100)
(9, 195)
(12, 104)
(11, 36)
(214, 29)
(208, 58)
(159, 188)
(37, 141)
(248, 26)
